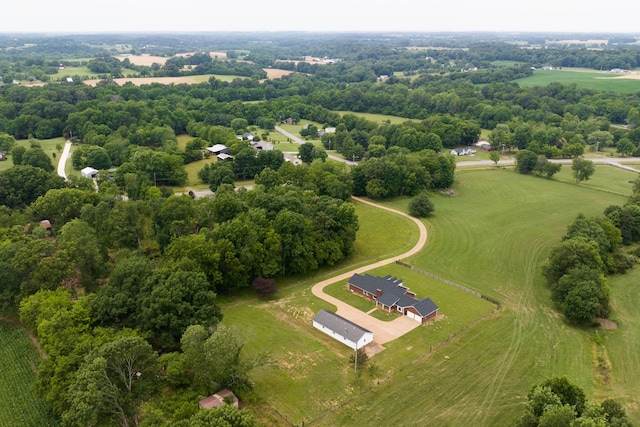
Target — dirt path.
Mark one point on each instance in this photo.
(383, 332)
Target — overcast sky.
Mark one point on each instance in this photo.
(322, 15)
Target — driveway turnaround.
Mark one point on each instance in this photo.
(383, 332)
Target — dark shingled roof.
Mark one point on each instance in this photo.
(339, 324)
(393, 293)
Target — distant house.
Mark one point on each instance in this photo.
(218, 400)
(262, 145)
(46, 224)
(342, 329)
(391, 295)
(89, 172)
(288, 121)
(463, 151)
(483, 145)
(223, 157)
(3, 156)
(61, 67)
(246, 136)
(218, 149)
(69, 79)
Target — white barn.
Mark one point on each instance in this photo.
(89, 172)
(342, 329)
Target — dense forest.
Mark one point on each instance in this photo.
(130, 275)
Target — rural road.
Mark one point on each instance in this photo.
(383, 332)
(62, 162)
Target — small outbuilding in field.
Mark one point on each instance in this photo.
(342, 329)
(89, 172)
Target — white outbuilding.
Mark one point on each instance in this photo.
(89, 172)
(342, 329)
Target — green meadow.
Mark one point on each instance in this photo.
(48, 145)
(597, 80)
(475, 365)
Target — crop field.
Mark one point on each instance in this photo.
(598, 80)
(492, 237)
(18, 359)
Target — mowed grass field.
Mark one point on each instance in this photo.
(18, 360)
(492, 237)
(598, 80)
(476, 365)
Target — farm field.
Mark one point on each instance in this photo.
(597, 80)
(18, 359)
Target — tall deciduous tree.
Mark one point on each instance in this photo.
(582, 169)
(112, 382)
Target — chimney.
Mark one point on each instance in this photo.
(378, 293)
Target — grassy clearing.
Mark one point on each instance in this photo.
(18, 361)
(598, 80)
(605, 178)
(378, 118)
(493, 237)
(48, 145)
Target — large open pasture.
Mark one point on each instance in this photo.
(493, 236)
(475, 366)
(18, 361)
(50, 146)
(598, 80)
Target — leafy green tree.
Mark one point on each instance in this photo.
(119, 302)
(600, 138)
(569, 393)
(7, 142)
(80, 242)
(494, 156)
(227, 415)
(557, 416)
(569, 254)
(625, 147)
(582, 169)
(17, 155)
(526, 161)
(230, 367)
(540, 398)
(582, 303)
(36, 157)
(177, 299)
(61, 205)
(216, 174)
(112, 382)
(421, 206)
(22, 185)
(305, 152)
(500, 136)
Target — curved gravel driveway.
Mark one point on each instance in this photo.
(383, 332)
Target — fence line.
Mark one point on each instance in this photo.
(449, 282)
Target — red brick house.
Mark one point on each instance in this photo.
(391, 295)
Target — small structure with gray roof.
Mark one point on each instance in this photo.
(342, 329)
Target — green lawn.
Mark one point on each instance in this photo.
(378, 118)
(598, 80)
(492, 237)
(48, 145)
(18, 361)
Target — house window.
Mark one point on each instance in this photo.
(399, 308)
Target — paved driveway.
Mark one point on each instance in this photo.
(383, 332)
